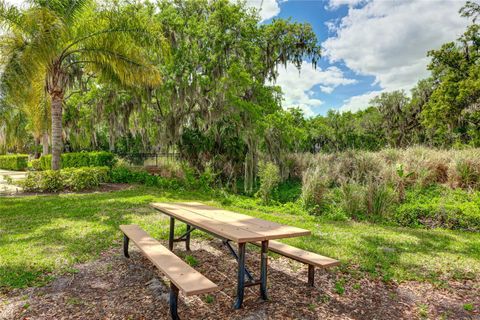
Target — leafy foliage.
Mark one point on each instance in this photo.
(17, 162)
(50, 43)
(440, 207)
(81, 159)
(74, 179)
(269, 175)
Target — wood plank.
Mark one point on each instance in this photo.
(187, 279)
(300, 255)
(222, 229)
(269, 229)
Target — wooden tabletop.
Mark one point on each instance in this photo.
(227, 224)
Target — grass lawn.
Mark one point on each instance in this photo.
(41, 236)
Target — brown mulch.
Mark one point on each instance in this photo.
(114, 287)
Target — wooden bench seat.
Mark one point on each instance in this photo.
(311, 259)
(182, 276)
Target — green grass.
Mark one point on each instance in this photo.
(43, 236)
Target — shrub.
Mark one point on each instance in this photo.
(288, 191)
(378, 198)
(315, 188)
(75, 160)
(46, 162)
(101, 159)
(467, 174)
(81, 159)
(440, 207)
(269, 175)
(77, 179)
(35, 165)
(49, 181)
(17, 162)
(351, 199)
(74, 179)
(123, 174)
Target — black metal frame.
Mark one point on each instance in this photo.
(183, 238)
(235, 255)
(242, 271)
(311, 275)
(173, 301)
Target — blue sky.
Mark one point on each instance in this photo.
(369, 46)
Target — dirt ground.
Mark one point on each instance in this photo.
(114, 287)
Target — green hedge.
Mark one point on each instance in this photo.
(74, 179)
(18, 162)
(81, 159)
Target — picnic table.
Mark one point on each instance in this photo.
(230, 227)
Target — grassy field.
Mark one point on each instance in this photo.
(42, 236)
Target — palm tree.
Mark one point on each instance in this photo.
(49, 40)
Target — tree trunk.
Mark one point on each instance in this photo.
(37, 145)
(57, 139)
(45, 143)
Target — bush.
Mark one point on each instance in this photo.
(46, 162)
(314, 188)
(35, 165)
(351, 200)
(81, 159)
(440, 207)
(77, 179)
(101, 159)
(17, 162)
(288, 191)
(467, 174)
(269, 175)
(378, 199)
(74, 179)
(123, 174)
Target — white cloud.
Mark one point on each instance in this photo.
(267, 8)
(390, 39)
(297, 86)
(360, 102)
(333, 4)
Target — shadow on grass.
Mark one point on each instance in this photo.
(42, 234)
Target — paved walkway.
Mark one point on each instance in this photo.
(6, 188)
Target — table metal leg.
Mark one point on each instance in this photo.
(235, 255)
(311, 275)
(187, 238)
(172, 234)
(174, 302)
(241, 276)
(263, 270)
(126, 240)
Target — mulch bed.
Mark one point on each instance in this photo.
(114, 287)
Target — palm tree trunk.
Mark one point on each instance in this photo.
(57, 140)
(37, 145)
(45, 143)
